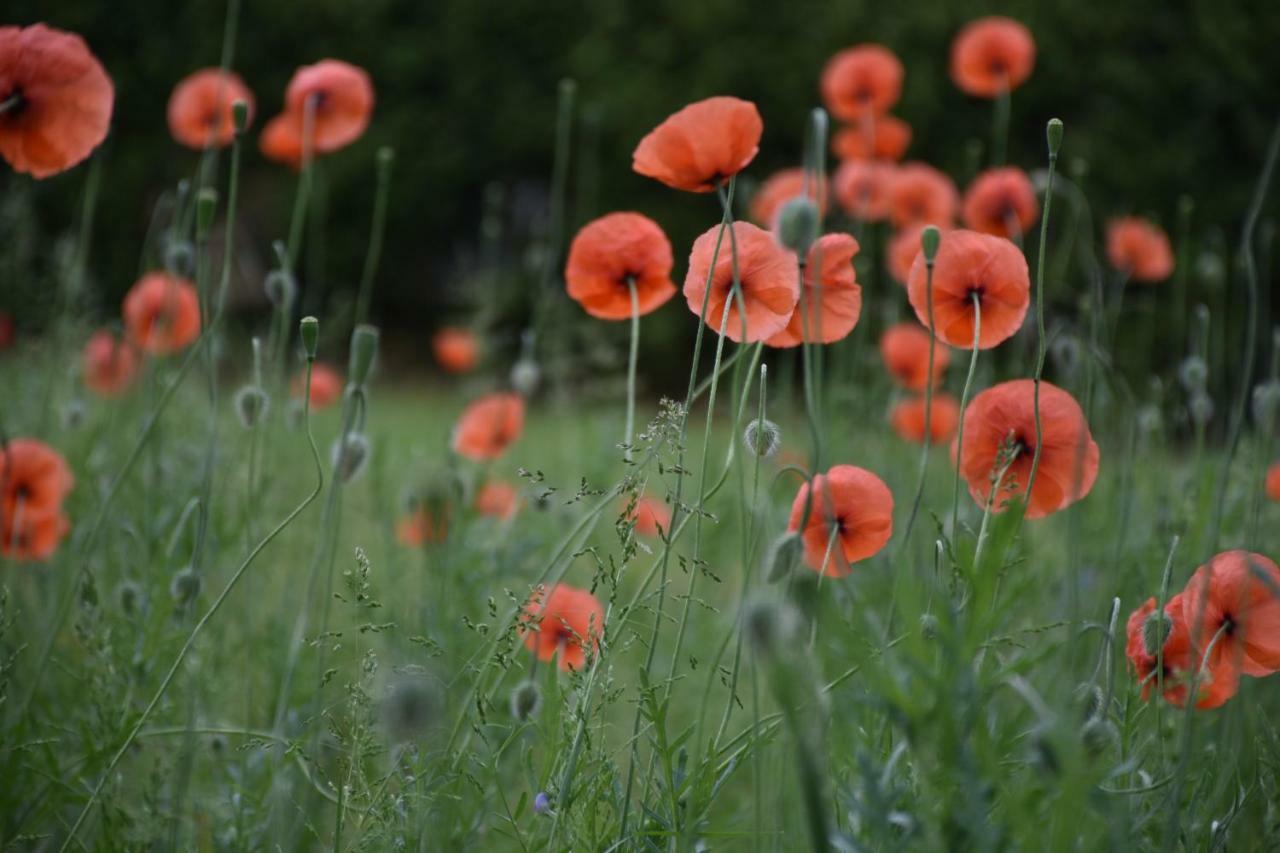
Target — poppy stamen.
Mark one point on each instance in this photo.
(13, 104)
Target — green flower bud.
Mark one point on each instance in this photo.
(1193, 373)
(1156, 629)
(180, 258)
(410, 707)
(386, 159)
(309, 331)
(364, 348)
(930, 239)
(525, 700)
(184, 587)
(929, 626)
(348, 460)
(1098, 736)
(1053, 131)
(251, 404)
(130, 597)
(783, 556)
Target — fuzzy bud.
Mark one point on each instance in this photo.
(1201, 408)
(73, 414)
(309, 331)
(410, 707)
(364, 349)
(929, 626)
(180, 258)
(184, 588)
(251, 403)
(386, 158)
(206, 207)
(348, 460)
(1156, 629)
(280, 287)
(1149, 419)
(525, 377)
(1211, 269)
(769, 626)
(1266, 402)
(525, 700)
(783, 556)
(240, 115)
(1193, 373)
(797, 225)
(130, 597)
(1098, 736)
(762, 438)
(930, 239)
(1053, 132)
(1091, 699)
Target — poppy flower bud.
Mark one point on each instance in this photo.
(798, 224)
(769, 626)
(1210, 268)
(348, 459)
(525, 700)
(130, 597)
(1091, 700)
(364, 347)
(929, 626)
(251, 403)
(930, 238)
(184, 588)
(73, 414)
(1156, 629)
(1149, 419)
(410, 707)
(1053, 131)
(309, 331)
(179, 258)
(1201, 408)
(525, 377)
(206, 207)
(1266, 401)
(1193, 373)
(1098, 735)
(783, 556)
(280, 288)
(762, 437)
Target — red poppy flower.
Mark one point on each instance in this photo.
(1001, 202)
(420, 527)
(612, 253)
(651, 515)
(970, 263)
(862, 188)
(904, 245)
(920, 193)
(565, 620)
(880, 138)
(34, 480)
(162, 313)
(907, 418)
(281, 141)
(200, 108)
(861, 81)
(6, 331)
(832, 299)
(702, 145)
(1233, 598)
(343, 99)
(779, 189)
(1140, 249)
(992, 55)
(1177, 657)
(905, 350)
(1000, 433)
(456, 350)
(489, 426)
(769, 279)
(55, 100)
(857, 505)
(326, 385)
(108, 364)
(497, 500)
(1273, 481)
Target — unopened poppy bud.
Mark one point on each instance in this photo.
(769, 626)
(1149, 418)
(309, 331)
(1091, 700)
(73, 414)
(1201, 408)
(179, 258)
(929, 626)
(1053, 131)
(410, 707)
(782, 556)
(1266, 401)
(798, 223)
(251, 403)
(525, 700)
(930, 239)
(184, 587)
(386, 158)
(525, 377)
(364, 347)
(762, 437)
(206, 207)
(129, 597)
(240, 115)
(1193, 373)
(348, 458)
(280, 288)
(1098, 736)
(1210, 268)
(1156, 629)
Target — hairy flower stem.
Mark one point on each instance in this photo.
(1041, 342)
(377, 229)
(964, 403)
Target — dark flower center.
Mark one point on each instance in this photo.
(13, 103)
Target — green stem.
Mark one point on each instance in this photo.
(928, 408)
(632, 360)
(377, 228)
(1041, 343)
(964, 402)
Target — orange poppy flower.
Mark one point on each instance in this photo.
(992, 55)
(567, 620)
(326, 385)
(1140, 249)
(610, 254)
(1273, 481)
(456, 350)
(780, 188)
(1001, 202)
(920, 193)
(904, 245)
(1233, 598)
(967, 263)
(108, 364)
(497, 500)
(881, 138)
(861, 81)
(702, 145)
(1000, 431)
(862, 188)
(832, 299)
(651, 515)
(419, 528)
(489, 426)
(200, 108)
(769, 279)
(34, 480)
(907, 418)
(857, 504)
(281, 141)
(905, 350)
(343, 98)
(55, 100)
(162, 313)
(1176, 656)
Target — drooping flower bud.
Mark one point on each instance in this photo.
(769, 626)
(1091, 700)
(797, 224)
(762, 437)
(309, 331)
(130, 597)
(929, 626)
(1098, 736)
(364, 349)
(179, 258)
(1266, 402)
(410, 707)
(348, 459)
(184, 587)
(280, 287)
(1193, 373)
(782, 556)
(1156, 629)
(252, 404)
(525, 700)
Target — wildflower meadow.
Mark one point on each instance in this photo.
(821, 496)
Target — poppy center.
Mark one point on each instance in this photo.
(13, 103)
(996, 67)
(975, 291)
(1228, 625)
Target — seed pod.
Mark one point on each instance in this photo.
(798, 223)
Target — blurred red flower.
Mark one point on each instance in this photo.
(905, 350)
(326, 385)
(778, 189)
(919, 193)
(1140, 249)
(769, 280)
(611, 254)
(200, 108)
(34, 481)
(488, 426)
(831, 299)
(702, 145)
(162, 313)
(968, 264)
(1001, 202)
(861, 81)
(108, 364)
(456, 350)
(883, 137)
(342, 95)
(850, 504)
(862, 188)
(567, 620)
(992, 55)
(907, 418)
(497, 500)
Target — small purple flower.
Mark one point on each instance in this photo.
(541, 803)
